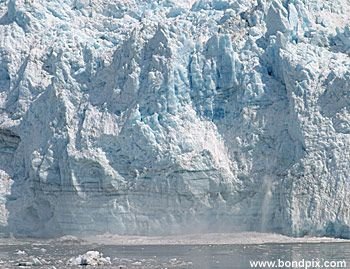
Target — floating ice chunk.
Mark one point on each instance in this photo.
(21, 252)
(33, 261)
(93, 258)
(25, 264)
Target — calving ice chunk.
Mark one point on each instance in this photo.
(158, 117)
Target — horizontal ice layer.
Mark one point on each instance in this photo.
(136, 117)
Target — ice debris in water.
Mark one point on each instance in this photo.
(93, 258)
(21, 252)
(33, 261)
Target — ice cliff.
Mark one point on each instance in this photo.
(156, 117)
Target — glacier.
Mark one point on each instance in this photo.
(167, 117)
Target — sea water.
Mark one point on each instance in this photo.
(56, 255)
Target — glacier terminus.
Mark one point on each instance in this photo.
(145, 117)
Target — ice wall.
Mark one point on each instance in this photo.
(154, 117)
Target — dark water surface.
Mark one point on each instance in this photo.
(56, 255)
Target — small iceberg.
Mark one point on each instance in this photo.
(93, 258)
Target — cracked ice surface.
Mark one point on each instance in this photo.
(154, 117)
